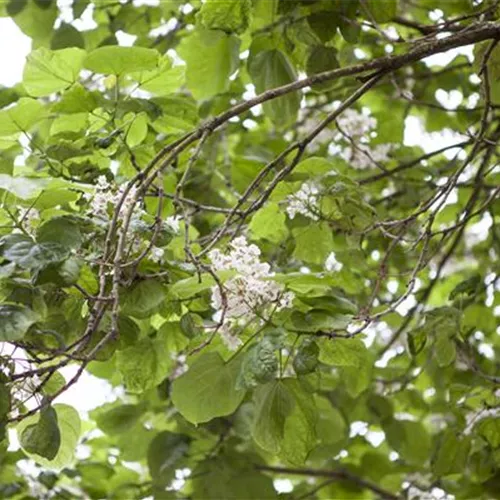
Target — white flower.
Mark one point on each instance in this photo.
(230, 341)
(105, 196)
(324, 137)
(304, 201)
(364, 157)
(332, 264)
(356, 124)
(102, 183)
(156, 254)
(173, 222)
(249, 290)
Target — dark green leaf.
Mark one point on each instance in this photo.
(44, 437)
(270, 69)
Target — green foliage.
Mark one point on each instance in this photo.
(270, 69)
(269, 230)
(207, 390)
(164, 454)
(226, 15)
(121, 60)
(211, 57)
(51, 438)
(15, 321)
(44, 437)
(49, 71)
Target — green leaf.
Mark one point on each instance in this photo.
(300, 426)
(143, 299)
(306, 359)
(349, 29)
(113, 419)
(5, 403)
(62, 274)
(331, 427)
(342, 352)
(285, 420)
(165, 452)
(468, 287)
(410, 439)
(231, 477)
(382, 10)
(313, 166)
(76, 99)
(67, 36)
(62, 231)
(444, 351)
(270, 69)
(179, 114)
(322, 59)
(489, 428)
(417, 340)
(207, 390)
(357, 379)
(44, 437)
(211, 57)
(324, 24)
(48, 71)
(269, 223)
(22, 187)
(191, 286)
(121, 60)
(54, 384)
(451, 454)
(35, 18)
(137, 131)
(231, 16)
(493, 64)
(15, 321)
(144, 364)
(74, 122)
(313, 243)
(163, 80)
(69, 425)
(191, 325)
(26, 253)
(21, 117)
(317, 320)
(260, 365)
(273, 405)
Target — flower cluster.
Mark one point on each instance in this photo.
(304, 201)
(105, 195)
(415, 493)
(173, 223)
(250, 290)
(324, 137)
(352, 140)
(332, 264)
(356, 125)
(364, 157)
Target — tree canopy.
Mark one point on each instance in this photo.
(274, 226)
